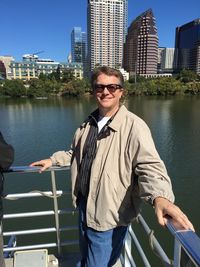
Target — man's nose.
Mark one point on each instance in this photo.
(105, 90)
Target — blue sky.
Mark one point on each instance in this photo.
(46, 25)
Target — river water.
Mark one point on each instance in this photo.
(39, 127)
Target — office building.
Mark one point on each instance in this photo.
(160, 55)
(167, 60)
(2, 71)
(78, 45)
(187, 46)
(107, 26)
(31, 67)
(141, 47)
(6, 60)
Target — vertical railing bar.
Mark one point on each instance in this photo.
(177, 253)
(139, 248)
(128, 259)
(158, 249)
(53, 181)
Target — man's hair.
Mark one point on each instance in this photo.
(107, 71)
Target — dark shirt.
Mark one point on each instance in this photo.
(89, 151)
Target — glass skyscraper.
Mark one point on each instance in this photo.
(187, 46)
(107, 26)
(78, 45)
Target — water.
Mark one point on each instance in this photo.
(37, 128)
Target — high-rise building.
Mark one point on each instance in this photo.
(141, 47)
(78, 45)
(107, 26)
(160, 55)
(167, 60)
(7, 60)
(187, 46)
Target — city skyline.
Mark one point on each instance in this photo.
(29, 27)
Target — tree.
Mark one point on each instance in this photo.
(36, 88)
(13, 88)
(186, 76)
(67, 76)
(75, 88)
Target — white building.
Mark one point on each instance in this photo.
(167, 60)
(125, 74)
(107, 27)
(31, 67)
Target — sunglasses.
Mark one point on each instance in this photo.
(99, 88)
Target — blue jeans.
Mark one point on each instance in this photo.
(99, 248)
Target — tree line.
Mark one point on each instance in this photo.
(186, 82)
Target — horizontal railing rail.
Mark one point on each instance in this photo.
(54, 194)
(185, 242)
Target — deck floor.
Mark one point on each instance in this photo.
(67, 261)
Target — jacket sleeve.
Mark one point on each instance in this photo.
(62, 158)
(6, 154)
(153, 180)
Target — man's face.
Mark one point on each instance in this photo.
(108, 98)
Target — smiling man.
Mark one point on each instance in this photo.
(114, 166)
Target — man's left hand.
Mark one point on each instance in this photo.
(165, 209)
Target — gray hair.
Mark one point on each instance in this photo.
(107, 71)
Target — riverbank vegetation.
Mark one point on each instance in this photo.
(186, 82)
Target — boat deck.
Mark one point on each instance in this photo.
(67, 261)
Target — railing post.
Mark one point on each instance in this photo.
(53, 182)
(177, 253)
(128, 259)
(127, 244)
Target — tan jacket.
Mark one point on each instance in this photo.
(126, 170)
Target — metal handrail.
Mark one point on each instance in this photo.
(56, 212)
(186, 241)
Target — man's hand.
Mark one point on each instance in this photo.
(45, 163)
(165, 209)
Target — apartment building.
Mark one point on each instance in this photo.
(107, 27)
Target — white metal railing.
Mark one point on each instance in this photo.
(186, 243)
(54, 194)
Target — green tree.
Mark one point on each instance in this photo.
(13, 88)
(75, 88)
(43, 77)
(54, 76)
(52, 86)
(36, 88)
(67, 76)
(186, 76)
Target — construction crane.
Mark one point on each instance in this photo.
(36, 53)
(32, 57)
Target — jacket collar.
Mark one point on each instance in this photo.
(118, 118)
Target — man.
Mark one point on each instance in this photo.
(6, 159)
(114, 165)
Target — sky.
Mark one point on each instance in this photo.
(28, 27)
